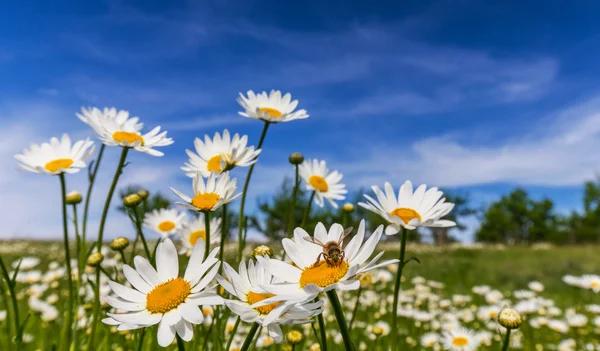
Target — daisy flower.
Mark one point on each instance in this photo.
(56, 157)
(423, 208)
(194, 230)
(165, 221)
(430, 339)
(246, 287)
(117, 128)
(219, 154)
(311, 274)
(460, 339)
(271, 107)
(591, 281)
(325, 184)
(218, 190)
(162, 297)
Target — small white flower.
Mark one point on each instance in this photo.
(271, 107)
(460, 339)
(165, 221)
(423, 208)
(246, 286)
(195, 230)
(218, 190)
(117, 128)
(325, 184)
(56, 157)
(219, 154)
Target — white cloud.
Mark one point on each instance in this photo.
(560, 151)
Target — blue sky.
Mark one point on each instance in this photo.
(471, 95)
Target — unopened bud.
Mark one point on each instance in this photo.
(119, 244)
(348, 207)
(144, 194)
(262, 250)
(294, 337)
(296, 158)
(132, 200)
(509, 318)
(73, 198)
(95, 259)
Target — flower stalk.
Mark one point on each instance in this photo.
(403, 234)
(341, 319)
(245, 193)
(308, 208)
(250, 337)
(69, 312)
(110, 195)
(223, 234)
(207, 234)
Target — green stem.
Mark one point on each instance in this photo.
(403, 234)
(323, 339)
(292, 219)
(355, 310)
(180, 344)
(69, 320)
(141, 342)
(80, 266)
(13, 297)
(235, 327)
(339, 315)
(223, 234)
(96, 311)
(308, 208)
(506, 340)
(245, 191)
(110, 195)
(92, 179)
(250, 337)
(207, 234)
(140, 234)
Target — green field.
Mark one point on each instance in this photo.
(458, 268)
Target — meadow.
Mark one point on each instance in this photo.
(445, 277)
(337, 283)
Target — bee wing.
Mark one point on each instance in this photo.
(314, 241)
(345, 234)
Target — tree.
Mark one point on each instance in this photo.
(517, 219)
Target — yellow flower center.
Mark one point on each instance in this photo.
(127, 137)
(168, 295)
(214, 164)
(460, 341)
(194, 236)
(205, 201)
(270, 111)
(322, 274)
(377, 330)
(595, 284)
(430, 343)
(405, 214)
(60, 163)
(229, 327)
(318, 183)
(253, 298)
(207, 311)
(165, 226)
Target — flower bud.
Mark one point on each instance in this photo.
(348, 207)
(144, 194)
(119, 243)
(509, 318)
(95, 259)
(294, 337)
(262, 250)
(296, 158)
(73, 198)
(132, 200)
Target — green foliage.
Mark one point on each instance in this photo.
(518, 219)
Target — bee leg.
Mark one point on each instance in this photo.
(318, 259)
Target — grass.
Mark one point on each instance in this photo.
(459, 269)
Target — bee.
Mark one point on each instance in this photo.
(332, 250)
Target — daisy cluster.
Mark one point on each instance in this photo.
(328, 286)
